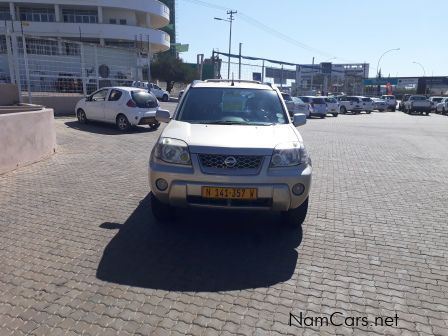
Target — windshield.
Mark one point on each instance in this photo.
(232, 106)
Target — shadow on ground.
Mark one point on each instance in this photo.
(202, 251)
(105, 128)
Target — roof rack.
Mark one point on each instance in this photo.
(233, 80)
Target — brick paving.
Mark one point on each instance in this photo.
(80, 253)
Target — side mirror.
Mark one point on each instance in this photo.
(163, 116)
(299, 119)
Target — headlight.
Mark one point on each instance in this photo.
(289, 154)
(173, 151)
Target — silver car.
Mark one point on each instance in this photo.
(231, 144)
(295, 105)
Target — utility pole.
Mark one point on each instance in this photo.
(239, 63)
(230, 20)
(312, 76)
(230, 13)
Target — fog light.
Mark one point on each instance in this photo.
(298, 189)
(161, 184)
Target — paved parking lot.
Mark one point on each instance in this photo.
(80, 252)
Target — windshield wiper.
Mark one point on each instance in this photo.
(234, 122)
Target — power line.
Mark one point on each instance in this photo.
(268, 29)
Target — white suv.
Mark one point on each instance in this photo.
(231, 144)
(391, 102)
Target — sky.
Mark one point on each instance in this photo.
(339, 31)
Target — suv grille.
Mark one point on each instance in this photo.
(218, 163)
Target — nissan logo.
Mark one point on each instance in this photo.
(230, 162)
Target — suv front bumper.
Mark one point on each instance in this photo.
(274, 186)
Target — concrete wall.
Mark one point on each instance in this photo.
(62, 105)
(25, 138)
(9, 94)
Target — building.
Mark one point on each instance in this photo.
(77, 46)
(106, 22)
(330, 77)
(434, 85)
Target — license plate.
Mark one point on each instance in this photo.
(229, 193)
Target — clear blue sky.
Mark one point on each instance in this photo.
(351, 30)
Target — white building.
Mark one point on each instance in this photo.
(107, 22)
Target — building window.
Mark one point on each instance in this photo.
(4, 14)
(71, 49)
(3, 48)
(123, 21)
(113, 21)
(37, 14)
(40, 47)
(79, 16)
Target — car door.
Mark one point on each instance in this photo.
(112, 105)
(158, 92)
(96, 105)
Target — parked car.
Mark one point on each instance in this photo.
(318, 106)
(160, 93)
(434, 101)
(232, 145)
(295, 105)
(391, 102)
(355, 104)
(418, 103)
(123, 106)
(442, 107)
(403, 100)
(379, 104)
(332, 106)
(154, 89)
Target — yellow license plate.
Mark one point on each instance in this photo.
(229, 193)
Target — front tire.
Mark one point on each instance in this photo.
(81, 115)
(343, 110)
(335, 114)
(295, 217)
(165, 98)
(322, 116)
(122, 123)
(154, 126)
(162, 212)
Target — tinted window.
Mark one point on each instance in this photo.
(318, 100)
(418, 98)
(144, 99)
(305, 99)
(366, 99)
(330, 100)
(232, 106)
(115, 95)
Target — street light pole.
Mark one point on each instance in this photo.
(423, 68)
(230, 20)
(379, 60)
(378, 67)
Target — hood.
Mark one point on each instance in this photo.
(224, 139)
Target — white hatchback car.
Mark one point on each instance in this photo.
(231, 145)
(123, 106)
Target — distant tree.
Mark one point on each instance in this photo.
(171, 69)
